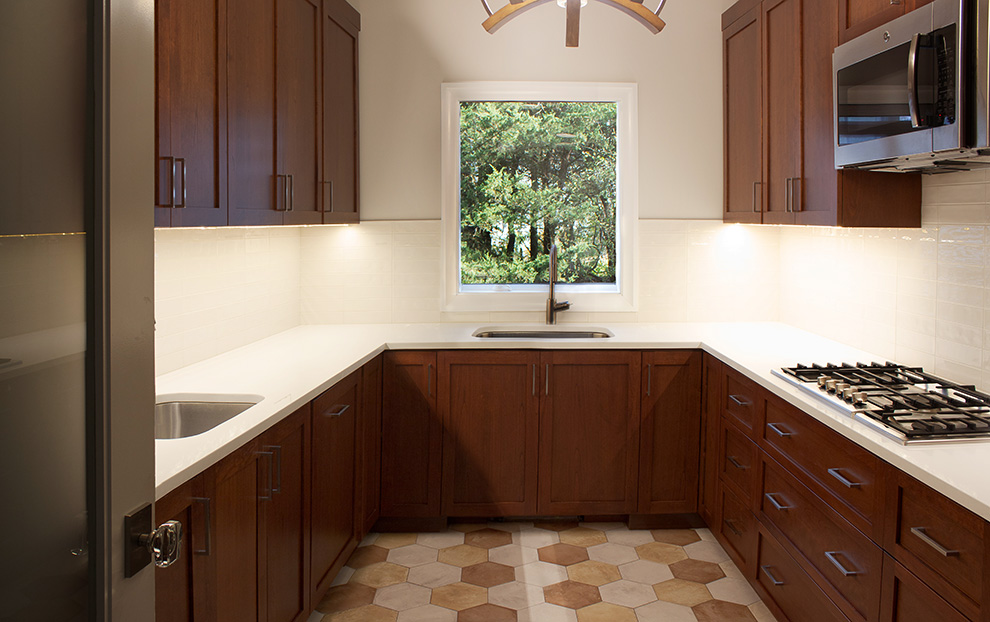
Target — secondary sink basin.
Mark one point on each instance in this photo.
(548, 332)
(181, 417)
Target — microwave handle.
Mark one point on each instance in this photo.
(912, 84)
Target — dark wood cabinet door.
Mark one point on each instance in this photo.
(255, 196)
(299, 113)
(236, 487)
(712, 417)
(589, 442)
(191, 105)
(371, 447)
(411, 436)
(670, 432)
(181, 589)
(490, 409)
(859, 16)
(782, 113)
(283, 536)
(334, 423)
(906, 598)
(339, 200)
(743, 92)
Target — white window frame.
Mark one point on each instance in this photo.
(588, 298)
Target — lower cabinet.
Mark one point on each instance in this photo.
(907, 599)
(181, 589)
(333, 530)
(789, 587)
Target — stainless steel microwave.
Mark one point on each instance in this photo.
(912, 95)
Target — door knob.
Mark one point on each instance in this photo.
(164, 543)
(144, 545)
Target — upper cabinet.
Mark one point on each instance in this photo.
(779, 137)
(257, 124)
(859, 16)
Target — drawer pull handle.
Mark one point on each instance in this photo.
(776, 429)
(843, 480)
(924, 537)
(341, 409)
(766, 570)
(731, 524)
(208, 522)
(833, 557)
(777, 504)
(734, 462)
(740, 401)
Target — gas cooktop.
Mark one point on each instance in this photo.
(904, 403)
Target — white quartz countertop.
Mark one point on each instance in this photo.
(293, 367)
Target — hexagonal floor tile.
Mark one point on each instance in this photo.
(582, 536)
(661, 553)
(696, 570)
(721, 611)
(646, 572)
(347, 596)
(547, 613)
(367, 555)
(630, 538)
(660, 611)
(427, 613)
(434, 575)
(535, 538)
(563, 554)
(380, 575)
(614, 554)
(627, 593)
(540, 574)
(706, 551)
(459, 596)
(395, 540)
(515, 595)
(556, 525)
(441, 540)
(571, 594)
(463, 555)
(488, 574)
(734, 591)
(680, 537)
(488, 538)
(593, 573)
(487, 613)
(468, 527)
(606, 612)
(368, 613)
(412, 555)
(681, 592)
(513, 555)
(511, 527)
(403, 596)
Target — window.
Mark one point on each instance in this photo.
(527, 166)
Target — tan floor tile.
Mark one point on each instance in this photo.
(488, 538)
(706, 551)
(613, 553)
(557, 526)
(515, 595)
(736, 591)
(681, 592)
(606, 612)
(627, 593)
(428, 613)
(630, 537)
(697, 571)
(645, 572)
(563, 554)
(604, 526)
(468, 527)
(367, 555)
(368, 613)
(487, 613)
(535, 538)
(661, 553)
(540, 574)
(463, 555)
(721, 611)
(395, 540)
(488, 574)
(380, 575)
(412, 555)
(593, 573)
(459, 596)
(347, 596)
(402, 596)
(680, 537)
(434, 575)
(513, 555)
(511, 527)
(660, 611)
(571, 594)
(546, 612)
(441, 540)
(582, 536)
(761, 612)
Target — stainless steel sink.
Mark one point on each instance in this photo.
(182, 418)
(542, 333)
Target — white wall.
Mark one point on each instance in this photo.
(410, 47)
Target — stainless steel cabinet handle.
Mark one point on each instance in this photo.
(924, 537)
(777, 504)
(775, 427)
(277, 450)
(649, 379)
(732, 460)
(833, 557)
(341, 409)
(534, 378)
(271, 475)
(757, 203)
(174, 186)
(208, 521)
(292, 193)
(429, 380)
(788, 195)
(843, 480)
(171, 182)
(546, 378)
(739, 401)
(329, 194)
(183, 160)
(797, 204)
(766, 570)
(732, 527)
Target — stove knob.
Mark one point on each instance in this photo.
(830, 385)
(822, 380)
(847, 393)
(859, 397)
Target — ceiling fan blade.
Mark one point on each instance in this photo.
(510, 11)
(636, 10)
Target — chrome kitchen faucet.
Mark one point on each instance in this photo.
(553, 307)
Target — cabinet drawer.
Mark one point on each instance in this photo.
(793, 590)
(843, 556)
(742, 400)
(738, 527)
(841, 468)
(907, 599)
(940, 535)
(738, 460)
